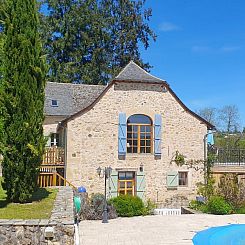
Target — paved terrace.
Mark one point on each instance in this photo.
(152, 230)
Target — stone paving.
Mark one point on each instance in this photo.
(152, 230)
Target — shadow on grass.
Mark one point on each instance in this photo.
(37, 196)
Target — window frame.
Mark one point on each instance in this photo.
(186, 178)
(54, 103)
(54, 139)
(126, 189)
(139, 139)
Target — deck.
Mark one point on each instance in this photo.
(229, 161)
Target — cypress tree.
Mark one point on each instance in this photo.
(22, 98)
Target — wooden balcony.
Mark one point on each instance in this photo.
(54, 156)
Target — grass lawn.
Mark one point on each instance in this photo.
(40, 207)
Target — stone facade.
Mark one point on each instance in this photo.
(28, 232)
(92, 140)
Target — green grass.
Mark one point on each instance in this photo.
(40, 205)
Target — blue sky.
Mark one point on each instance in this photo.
(200, 50)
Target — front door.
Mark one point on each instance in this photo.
(126, 183)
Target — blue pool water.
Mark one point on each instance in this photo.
(221, 235)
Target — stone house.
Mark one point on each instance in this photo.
(137, 126)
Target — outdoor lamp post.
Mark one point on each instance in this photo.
(104, 173)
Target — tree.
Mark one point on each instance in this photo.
(75, 41)
(22, 99)
(209, 114)
(89, 41)
(128, 28)
(229, 118)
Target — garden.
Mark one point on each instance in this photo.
(38, 207)
(225, 197)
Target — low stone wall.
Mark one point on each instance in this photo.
(58, 230)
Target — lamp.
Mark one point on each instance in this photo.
(104, 173)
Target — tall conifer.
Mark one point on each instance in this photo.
(22, 97)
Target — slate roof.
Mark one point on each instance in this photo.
(133, 72)
(71, 98)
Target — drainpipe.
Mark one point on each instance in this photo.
(65, 146)
(205, 155)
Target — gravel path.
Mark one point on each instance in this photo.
(152, 230)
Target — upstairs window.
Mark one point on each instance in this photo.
(54, 103)
(54, 139)
(139, 134)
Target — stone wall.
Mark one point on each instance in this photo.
(92, 140)
(26, 232)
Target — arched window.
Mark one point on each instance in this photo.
(139, 134)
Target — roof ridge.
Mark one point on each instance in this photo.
(134, 72)
(73, 84)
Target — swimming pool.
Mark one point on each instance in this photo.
(221, 235)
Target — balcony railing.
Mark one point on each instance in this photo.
(230, 157)
(54, 156)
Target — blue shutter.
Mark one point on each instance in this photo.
(210, 138)
(157, 134)
(122, 135)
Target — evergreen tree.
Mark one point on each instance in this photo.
(75, 39)
(90, 41)
(127, 24)
(22, 98)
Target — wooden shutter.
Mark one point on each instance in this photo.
(140, 184)
(113, 180)
(157, 135)
(172, 179)
(122, 135)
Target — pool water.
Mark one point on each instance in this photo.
(221, 235)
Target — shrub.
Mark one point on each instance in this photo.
(128, 206)
(218, 205)
(200, 206)
(149, 208)
(92, 208)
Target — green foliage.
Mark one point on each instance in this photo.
(179, 159)
(128, 206)
(200, 206)
(89, 41)
(241, 210)
(21, 99)
(149, 208)
(218, 205)
(230, 141)
(231, 190)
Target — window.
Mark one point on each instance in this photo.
(139, 134)
(126, 183)
(54, 139)
(183, 178)
(54, 103)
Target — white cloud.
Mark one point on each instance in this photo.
(200, 49)
(228, 49)
(168, 26)
(222, 49)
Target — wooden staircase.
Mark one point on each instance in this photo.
(52, 170)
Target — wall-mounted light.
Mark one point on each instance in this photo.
(141, 167)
